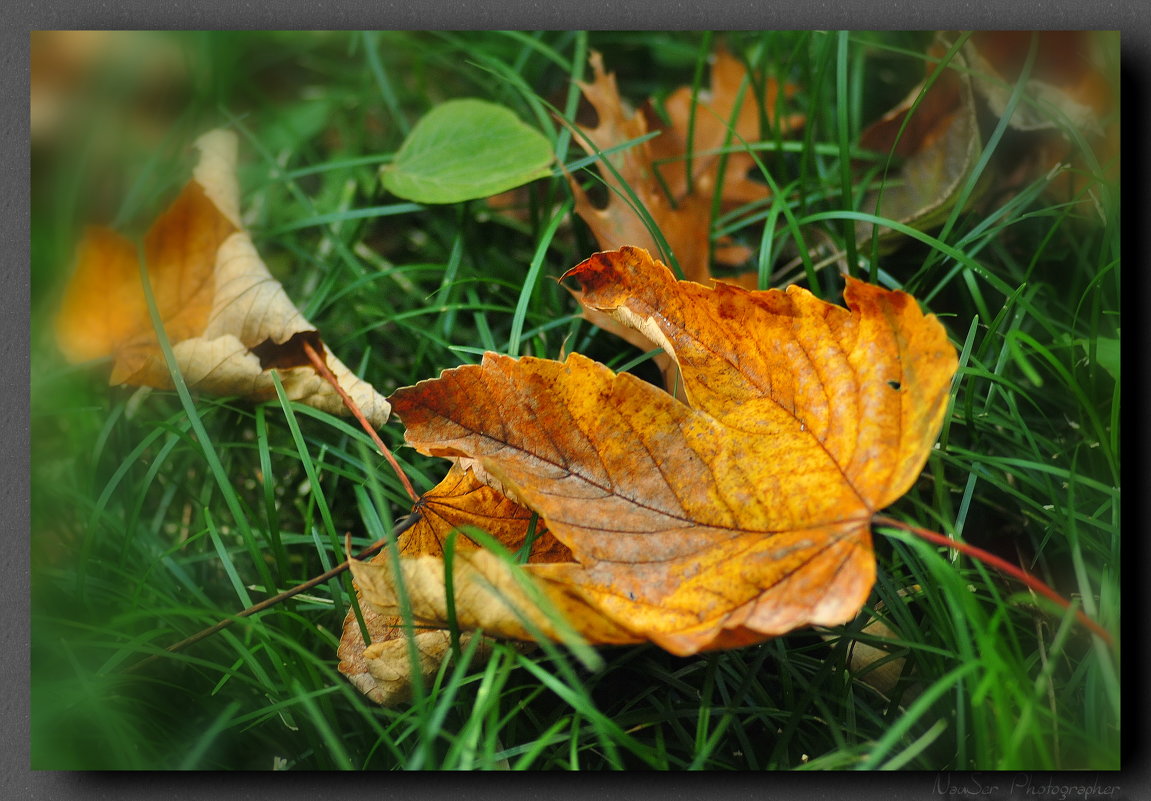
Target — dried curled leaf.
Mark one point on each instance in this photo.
(1071, 99)
(218, 303)
(737, 518)
(936, 131)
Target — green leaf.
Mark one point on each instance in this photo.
(466, 149)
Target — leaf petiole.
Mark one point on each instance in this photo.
(321, 367)
(991, 559)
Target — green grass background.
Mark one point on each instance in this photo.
(137, 541)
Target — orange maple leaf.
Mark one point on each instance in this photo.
(739, 517)
(228, 320)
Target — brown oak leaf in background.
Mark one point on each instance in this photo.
(715, 524)
(227, 318)
(656, 170)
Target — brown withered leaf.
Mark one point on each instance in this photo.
(726, 115)
(941, 141)
(935, 131)
(656, 170)
(381, 668)
(227, 318)
(739, 517)
(63, 76)
(1067, 76)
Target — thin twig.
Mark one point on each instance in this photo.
(403, 526)
(989, 558)
(321, 367)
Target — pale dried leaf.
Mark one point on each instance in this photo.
(461, 502)
(214, 294)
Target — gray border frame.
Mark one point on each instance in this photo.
(16, 778)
